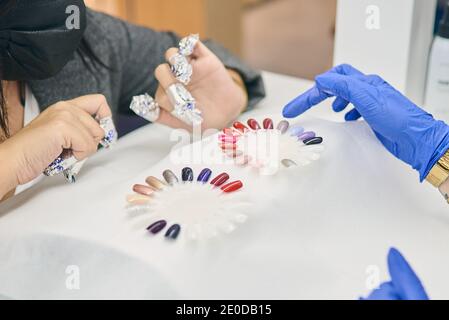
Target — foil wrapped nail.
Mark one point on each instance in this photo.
(181, 68)
(146, 107)
(65, 161)
(170, 177)
(173, 232)
(71, 173)
(187, 45)
(157, 227)
(204, 176)
(187, 174)
(110, 133)
(68, 165)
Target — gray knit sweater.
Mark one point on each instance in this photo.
(132, 53)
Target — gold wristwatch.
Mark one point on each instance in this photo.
(440, 173)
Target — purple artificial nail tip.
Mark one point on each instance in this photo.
(157, 227)
(295, 130)
(204, 175)
(307, 135)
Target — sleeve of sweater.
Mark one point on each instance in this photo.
(140, 50)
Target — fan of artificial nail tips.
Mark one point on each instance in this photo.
(198, 208)
(267, 148)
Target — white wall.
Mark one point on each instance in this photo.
(391, 38)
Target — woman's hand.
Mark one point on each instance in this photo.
(65, 125)
(218, 96)
(407, 131)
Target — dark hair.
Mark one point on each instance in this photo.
(90, 60)
(5, 6)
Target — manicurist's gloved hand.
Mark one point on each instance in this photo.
(404, 284)
(407, 131)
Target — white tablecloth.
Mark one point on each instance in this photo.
(313, 232)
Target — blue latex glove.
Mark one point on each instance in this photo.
(407, 131)
(404, 284)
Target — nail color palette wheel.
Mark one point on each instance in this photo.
(197, 207)
(268, 147)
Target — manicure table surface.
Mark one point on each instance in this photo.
(317, 232)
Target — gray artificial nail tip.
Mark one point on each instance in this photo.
(289, 163)
(283, 126)
(170, 177)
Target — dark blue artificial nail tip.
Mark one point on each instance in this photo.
(205, 175)
(173, 232)
(187, 174)
(313, 141)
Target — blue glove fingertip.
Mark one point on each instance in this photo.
(405, 280)
(339, 104)
(352, 115)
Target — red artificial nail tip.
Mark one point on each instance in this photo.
(253, 124)
(220, 179)
(268, 124)
(233, 186)
(240, 127)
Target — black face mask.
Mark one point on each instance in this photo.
(39, 37)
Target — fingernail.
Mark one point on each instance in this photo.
(220, 179)
(173, 232)
(170, 177)
(253, 124)
(240, 127)
(204, 175)
(228, 146)
(268, 124)
(307, 135)
(157, 227)
(296, 130)
(137, 199)
(155, 183)
(313, 141)
(289, 163)
(231, 187)
(187, 174)
(283, 126)
(143, 190)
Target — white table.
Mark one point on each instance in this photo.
(313, 233)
